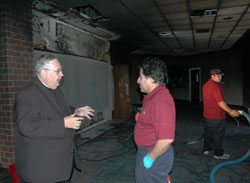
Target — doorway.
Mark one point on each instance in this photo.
(122, 102)
(194, 85)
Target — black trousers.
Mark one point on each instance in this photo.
(214, 134)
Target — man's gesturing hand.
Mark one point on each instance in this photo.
(84, 111)
(72, 122)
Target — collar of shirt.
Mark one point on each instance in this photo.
(213, 81)
(44, 83)
(154, 91)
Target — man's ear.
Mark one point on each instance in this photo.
(43, 73)
(151, 80)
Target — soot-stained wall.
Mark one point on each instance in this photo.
(50, 34)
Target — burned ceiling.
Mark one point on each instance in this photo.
(162, 27)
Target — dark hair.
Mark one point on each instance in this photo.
(156, 69)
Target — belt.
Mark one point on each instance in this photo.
(145, 149)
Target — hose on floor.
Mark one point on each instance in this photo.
(228, 163)
(236, 131)
(204, 179)
(216, 167)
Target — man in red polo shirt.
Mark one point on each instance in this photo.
(214, 113)
(155, 127)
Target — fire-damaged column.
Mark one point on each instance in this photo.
(16, 67)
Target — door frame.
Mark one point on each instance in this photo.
(190, 83)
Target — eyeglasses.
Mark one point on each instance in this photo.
(56, 71)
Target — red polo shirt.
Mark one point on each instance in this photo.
(212, 93)
(157, 118)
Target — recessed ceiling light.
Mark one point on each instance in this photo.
(228, 18)
(165, 33)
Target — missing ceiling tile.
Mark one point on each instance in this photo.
(90, 12)
(228, 18)
(202, 31)
(203, 12)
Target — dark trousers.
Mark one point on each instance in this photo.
(22, 181)
(214, 134)
(158, 172)
(67, 181)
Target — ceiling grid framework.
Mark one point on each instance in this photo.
(172, 27)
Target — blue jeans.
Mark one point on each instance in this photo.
(214, 134)
(158, 172)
